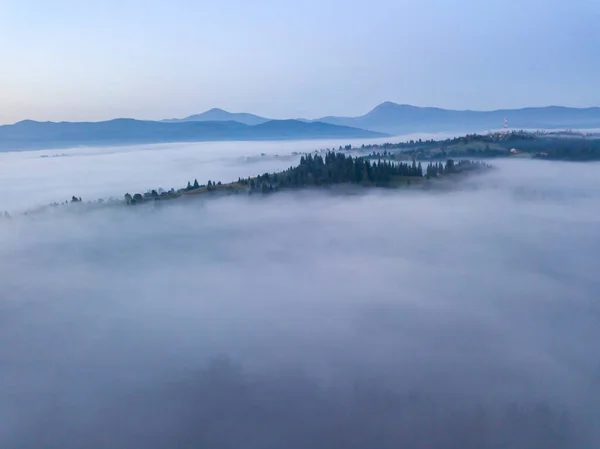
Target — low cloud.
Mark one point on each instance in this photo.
(462, 318)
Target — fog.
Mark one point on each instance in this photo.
(462, 318)
(29, 179)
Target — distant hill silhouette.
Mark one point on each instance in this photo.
(395, 118)
(219, 115)
(392, 118)
(217, 124)
(30, 134)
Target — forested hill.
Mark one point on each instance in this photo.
(564, 146)
(317, 171)
(314, 170)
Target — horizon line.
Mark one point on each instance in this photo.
(166, 120)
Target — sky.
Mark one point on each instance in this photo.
(74, 60)
(300, 319)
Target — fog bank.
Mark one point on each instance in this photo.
(459, 319)
(30, 179)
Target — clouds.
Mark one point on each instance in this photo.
(309, 318)
(37, 178)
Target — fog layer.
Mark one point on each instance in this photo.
(384, 319)
(29, 179)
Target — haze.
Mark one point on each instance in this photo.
(68, 60)
(464, 319)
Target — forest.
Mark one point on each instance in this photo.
(331, 169)
(567, 147)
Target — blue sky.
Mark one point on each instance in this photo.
(80, 60)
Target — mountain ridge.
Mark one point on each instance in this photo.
(387, 118)
(29, 134)
(394, 118)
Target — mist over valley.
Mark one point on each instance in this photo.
(309, 318)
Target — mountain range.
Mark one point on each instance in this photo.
(395, 118)
(29, 134)
(216, 124)
(392, 118)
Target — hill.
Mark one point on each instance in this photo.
(219, 115)
(30, 134)
(395, 118)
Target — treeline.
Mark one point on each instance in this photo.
(486, 138)
(479, 153)
(339, 168)
(319, 170)
(564, 149)
(435, 169)
(334, 168)
(209, 186)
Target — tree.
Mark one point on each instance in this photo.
(154, 194)
(189, 186)
(196, 185)
(209, 186)
(138, 198)
(128, 198)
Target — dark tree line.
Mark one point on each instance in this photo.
(488, 138)
(487, 152)
(336, 168)
(339, 168)
(333, 168)
(438, 168)
(565, 149)
(211, 185)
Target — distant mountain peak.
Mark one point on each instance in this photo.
(215, 110)
(221, 115)
(387, 104)
(27, 122)
(389, 107)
